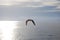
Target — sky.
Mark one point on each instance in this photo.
(31, 3)
(21, 9)
(21, 13)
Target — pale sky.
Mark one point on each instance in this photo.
(8, 8)
(5, 2)
(31, 3)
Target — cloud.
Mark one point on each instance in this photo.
(31, 3)
(58, 5)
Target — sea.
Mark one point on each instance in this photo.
(47, 30)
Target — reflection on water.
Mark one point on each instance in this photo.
(7, 28)
(15, 30)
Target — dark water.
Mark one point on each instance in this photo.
(38, 32)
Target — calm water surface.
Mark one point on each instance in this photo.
(16, 30)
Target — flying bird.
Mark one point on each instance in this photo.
(31, 21)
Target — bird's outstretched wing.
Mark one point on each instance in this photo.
(31, 21)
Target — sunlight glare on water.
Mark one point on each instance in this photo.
(7, 28)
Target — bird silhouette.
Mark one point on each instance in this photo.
(31, 21)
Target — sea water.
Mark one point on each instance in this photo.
(42, 31)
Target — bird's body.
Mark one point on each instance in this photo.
(31, 21)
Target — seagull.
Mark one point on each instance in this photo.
(31, 21)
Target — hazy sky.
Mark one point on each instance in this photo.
(32, 3)
(17, 13)
(21, 9)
